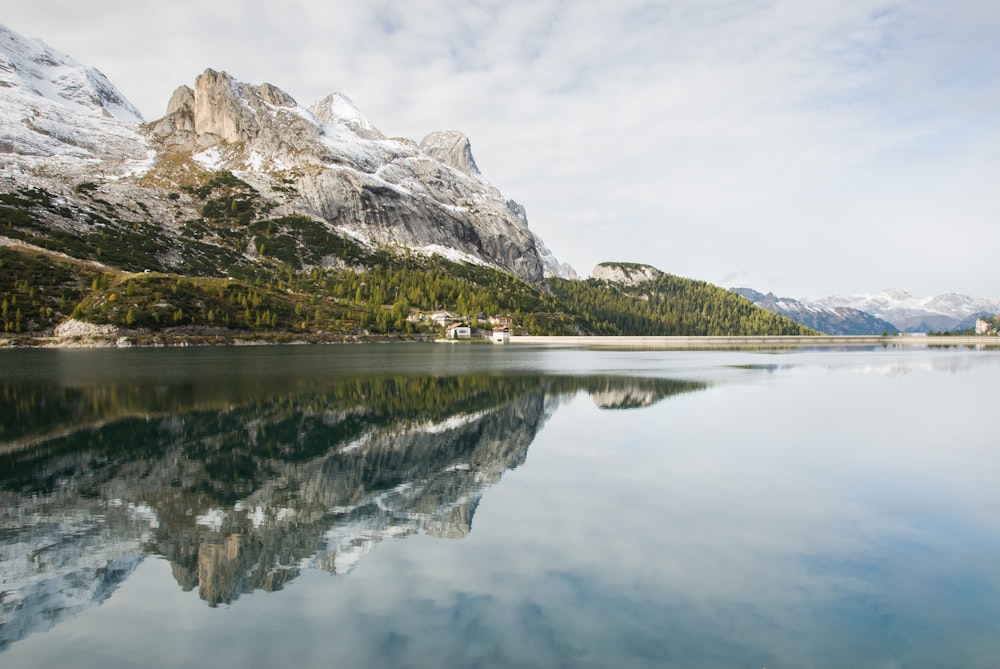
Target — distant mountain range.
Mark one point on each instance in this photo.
(828, 320)
(944, 312)
(888, 311)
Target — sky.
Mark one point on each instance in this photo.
(805, 148)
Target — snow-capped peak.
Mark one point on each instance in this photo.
(34, 68)
(917, 314)
(950, 304)
(337, 108)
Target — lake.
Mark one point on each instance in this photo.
(425, 505)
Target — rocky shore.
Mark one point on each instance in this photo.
(78, 334)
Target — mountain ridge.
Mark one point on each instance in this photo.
(242, 210)
(942, 312)
(331, 163)
(828, 320)
(890, 311)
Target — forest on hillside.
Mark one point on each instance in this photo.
(38, 290)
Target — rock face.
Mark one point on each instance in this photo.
(451, 148)
(388, 191)
(628, 274)
(75, 328)
(222, 112)
(331, 163)
(338, 108)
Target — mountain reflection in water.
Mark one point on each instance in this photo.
(242, 490)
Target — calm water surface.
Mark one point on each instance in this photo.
(490, 506)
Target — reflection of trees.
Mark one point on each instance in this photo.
(238, 495)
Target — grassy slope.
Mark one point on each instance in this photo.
(234, 267)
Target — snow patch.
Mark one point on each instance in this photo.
(210, 159)
(212, 519)
(451, 254)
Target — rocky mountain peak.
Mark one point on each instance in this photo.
(337, 108)
(896, 294)
(221, 111)
(628, 274)
(327, 163)
(181, 103)
(273, 95)
(221, 108)
(34, 69)
(52, 106)
(429, 198)
(828, 320)
(452, 148)
(910, 313)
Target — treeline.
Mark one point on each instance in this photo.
(294, 418)
(38, 290)
(236, 268)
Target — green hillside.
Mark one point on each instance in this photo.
(665, 306)
(236, 269)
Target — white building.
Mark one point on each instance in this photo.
(458, 331)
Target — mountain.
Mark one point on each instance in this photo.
(32, 68)
(624, 298)
(944, 312)
(987, 325)
(54, 110)
(242, 495)
(70, 133)
(241, 212)
(828, 320)
(874, 313)
(630, 275)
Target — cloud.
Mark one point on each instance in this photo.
(838, 144)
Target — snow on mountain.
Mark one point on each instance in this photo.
(916, 314)
(52, 106)
(337, 108)
(893, 310)
(451, 148)
(62, 123)
(33, 66)
(551, 267)
(55, 566)
(382, 191)
(839, 320)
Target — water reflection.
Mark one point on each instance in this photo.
(242, 486)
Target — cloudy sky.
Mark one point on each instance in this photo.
(807, 148)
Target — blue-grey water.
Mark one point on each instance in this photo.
(499, 506)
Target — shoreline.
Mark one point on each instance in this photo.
(185, 338)
(740, 341)
(124, 339)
